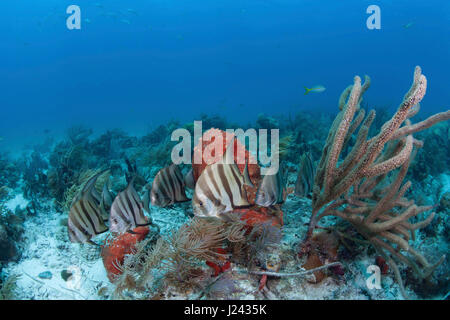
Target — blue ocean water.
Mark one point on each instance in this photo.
(147, 67)
(136, 64)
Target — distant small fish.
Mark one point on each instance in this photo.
(111, 14)
(127, 211)
(85, 217)
(189, 180)
(408, 25)
(87, 20)
(98, 5)
(316, 89)
(132, 11)
(220, 187)
(168, 187)
(271, 190)
(125, 21)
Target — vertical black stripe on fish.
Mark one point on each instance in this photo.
(138, 214)
(238, 183)
(216, 187)
(174, 186)
(170, 182)
(121, 210)
(74, 221)
(237, 187)
(180, 195)
(94, 216)
(214, 192)
(180, 178)
(83, 215)
(163, 188)
(225, 183)
(204, 188)
(126, 208)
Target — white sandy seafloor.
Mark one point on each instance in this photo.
(46, 247)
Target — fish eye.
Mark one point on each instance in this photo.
(200, 203)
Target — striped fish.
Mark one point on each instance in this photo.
(168, 187)
(305, 177)
(127, 211)
(189, 180)
(220, 187)
(106, 201)
(146, 199)
(85, 216)
(271, 190)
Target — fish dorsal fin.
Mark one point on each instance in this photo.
(131, 185)
(228, 157)
(105, 190)
(90, 184)
(146, 200)
(247, 179)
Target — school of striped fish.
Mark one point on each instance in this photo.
(218, 190)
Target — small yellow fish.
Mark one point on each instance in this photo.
(316, 89)
(408, 25)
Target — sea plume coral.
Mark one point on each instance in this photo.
(360, 189)
(180, 256)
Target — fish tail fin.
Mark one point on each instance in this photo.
(307, 90)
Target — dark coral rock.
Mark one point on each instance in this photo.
(8, 250)
(65, 275)
(156, 136)
(45, 275)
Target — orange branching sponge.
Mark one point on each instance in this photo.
(205, 150)
(114, 250)
(259, 215)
